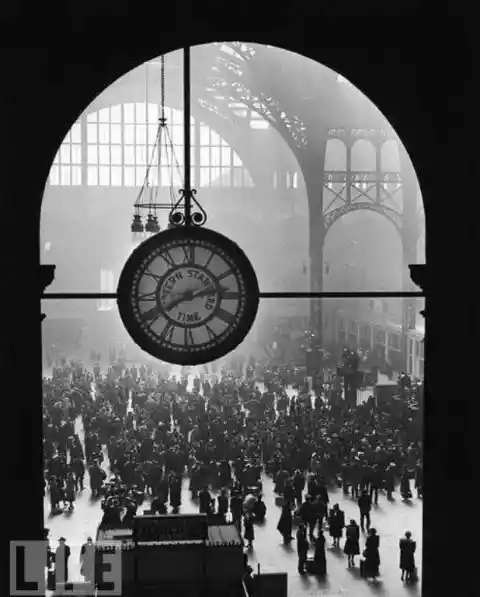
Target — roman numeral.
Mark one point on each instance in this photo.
(168, 258)
(167, 332)
(147, 296)
(229, 295)
(210, 332)
(209, 260)
(152, 275)
(151, 314)
(189, 337)
(225, 316)
(224, 275)
(189, 253)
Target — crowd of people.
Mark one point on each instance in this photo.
(224, 434)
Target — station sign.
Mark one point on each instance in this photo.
(170, 528)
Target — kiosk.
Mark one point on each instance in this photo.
(181, 555)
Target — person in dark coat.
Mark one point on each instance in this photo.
(308, 515)
(285, 524)
(175, 492)
(205, 501)
(236, 505)
(407, 556)
(70, 491)
(78, 469)
(62, 556)
(259, 509)
(298, 485)
(336, 522)
(302, 547)
(249, 531)
(319, 558)
(323, 492)
(405, 485)
(389, 481)
(222, 501)
(375, 483)
(289, 493)
(87, 561)
(419, 479)
(320, 510)
(364, 505)
(372, 555)
(312, 486)
(352, 543)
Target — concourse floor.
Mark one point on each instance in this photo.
(391, 519)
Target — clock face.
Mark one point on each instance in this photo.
(188, 295)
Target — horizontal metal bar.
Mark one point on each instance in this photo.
(263, 295)
(307, 295)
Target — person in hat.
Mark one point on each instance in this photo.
(62, 555)
(259, 509)
(372, 555)
(87, 561)
(222, 503)
(364, 505)
(298, 485)
(236, 505)
(336, 522)
(319, 558)
(407, 556)
(352, 543)
(285, 524)
(302, 547)
(308, 515)
(249, 531)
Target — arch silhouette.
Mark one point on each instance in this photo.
(116, 68)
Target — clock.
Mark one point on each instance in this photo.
(188, 295)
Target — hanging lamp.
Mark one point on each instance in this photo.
(163, 151)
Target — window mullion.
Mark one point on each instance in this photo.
(122, 147)
(84, 150)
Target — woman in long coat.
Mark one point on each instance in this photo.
(319, 558)
(352, 544)
(249, 532)
(70, 491)
(336, 522)
(407, 556)
(372, 555)
(285, 524)
(405, 485)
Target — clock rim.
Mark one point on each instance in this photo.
(200, 357)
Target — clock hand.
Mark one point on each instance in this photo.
(209, 291)
(203, 292)
(180, 298)
(189, 295)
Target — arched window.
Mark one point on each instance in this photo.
(335, 155)
(66, 169)
(119, 144)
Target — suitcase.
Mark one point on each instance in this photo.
(362, 568)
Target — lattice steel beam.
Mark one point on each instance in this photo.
(334, 215)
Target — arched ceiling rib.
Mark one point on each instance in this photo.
(297, 97)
